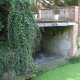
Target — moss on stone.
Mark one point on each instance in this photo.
(19, 78)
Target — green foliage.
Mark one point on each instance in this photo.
(23, 32)
(52, 3)
(2, 1)
(34, 8)
(71, 2)
(19, 78)
(1, 23)
(75, 59)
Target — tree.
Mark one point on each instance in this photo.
(71, 2)
(51, 3)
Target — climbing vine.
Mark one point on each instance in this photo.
(22, 32)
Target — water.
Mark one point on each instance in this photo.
(43, 57)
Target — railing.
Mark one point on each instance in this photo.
(65, 14)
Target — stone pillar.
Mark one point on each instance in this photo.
(78, 44)
(75, 33)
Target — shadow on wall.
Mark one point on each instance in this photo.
(57, 40)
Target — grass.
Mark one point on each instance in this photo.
(68, 72)
(58, 70)
(51, 65)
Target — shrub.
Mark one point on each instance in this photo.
(75, 59)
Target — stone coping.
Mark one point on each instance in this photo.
(54, 24)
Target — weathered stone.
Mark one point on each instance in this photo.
(63, 44)
(78, 41)
(9, 75)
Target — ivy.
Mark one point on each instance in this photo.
(22, 33)
(1, 23)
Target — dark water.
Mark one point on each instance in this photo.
(42, 57)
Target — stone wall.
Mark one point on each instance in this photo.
(66, 13)
(61, 42)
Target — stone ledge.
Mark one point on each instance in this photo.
(54, 24)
